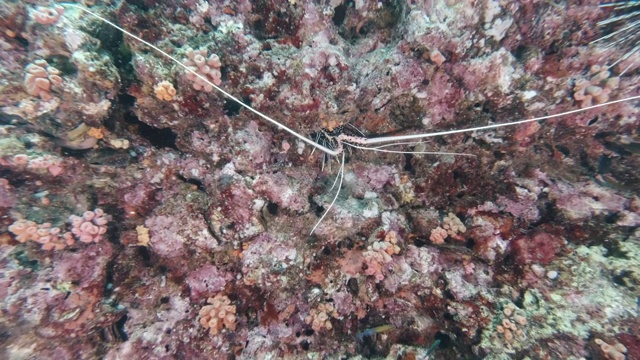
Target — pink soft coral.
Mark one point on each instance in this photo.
(91, 226)
(88, 228)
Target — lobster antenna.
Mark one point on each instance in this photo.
(387, 139)
(220, 90)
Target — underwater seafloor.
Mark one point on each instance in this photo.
(145, 217)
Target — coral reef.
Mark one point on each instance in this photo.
(144, 215)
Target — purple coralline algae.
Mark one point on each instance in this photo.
(145, 215)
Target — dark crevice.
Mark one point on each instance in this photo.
(409, 336)
(611, 218)
(160, 138)
(419, 242)
(78, 154)
(143, 252)
(232, 108)
(272, 208)
(24, 261)
(317, 208)
(304, 345)
(352, 286)
(586, 163)
(195, 182)
(339, 14)
(22, 41)
(115, 332)
(126, 101)
(112, 42)
(108, 283)
(614, 250)
(624, 278)
(408, 166)
(108, 157)
(140, 4)
(62, 63)
(604, 164)
(119, 325)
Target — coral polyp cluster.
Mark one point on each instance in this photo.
(207, 66)
(88, 228)
(320, 317)
(218, 314)
(40, 77)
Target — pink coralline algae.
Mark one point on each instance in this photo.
(539, 248)
(513, 242)
(255, 144)
(163, 235)
(206, 281)
(581, 202)
(288, 191)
